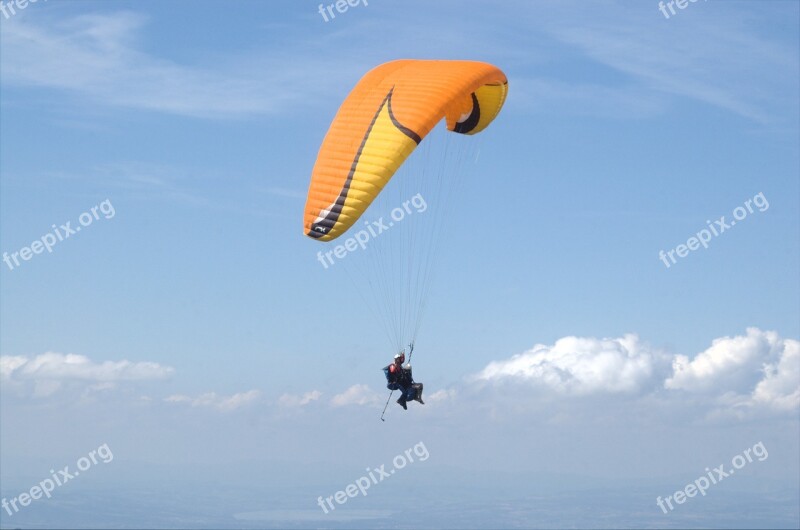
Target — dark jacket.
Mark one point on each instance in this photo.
(398, 377)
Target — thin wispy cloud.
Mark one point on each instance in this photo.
(356, 395)
(725, 64)
(216, 401)
(291, 400)
(584, 99)
(95, 57)
(99, 57)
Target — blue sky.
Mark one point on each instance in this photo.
(557, 348)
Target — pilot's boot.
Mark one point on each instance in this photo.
(419, 393)
(402, 402)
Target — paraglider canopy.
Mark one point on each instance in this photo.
(382, 121)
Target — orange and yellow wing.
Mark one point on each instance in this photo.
(383, 119)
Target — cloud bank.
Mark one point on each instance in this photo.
(741, 374)
(49, 372)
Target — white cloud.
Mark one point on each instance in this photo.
(757, 370)
(290, 400)
(9, 363)
(356, 395)
(733, 363)
(58, 366)
(213, 400)
(780, 387)
(49, 372)
(441, 395)
(581, 366)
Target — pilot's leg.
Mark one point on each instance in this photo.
(418, 392)
(403, 397)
